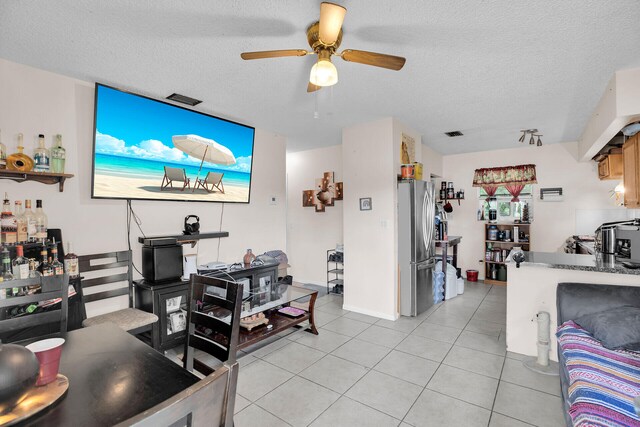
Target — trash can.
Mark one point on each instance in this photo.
(472, 275)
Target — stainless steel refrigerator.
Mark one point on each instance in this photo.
(416, 245)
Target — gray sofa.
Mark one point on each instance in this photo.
(577, 299)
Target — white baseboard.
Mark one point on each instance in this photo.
(371, 313)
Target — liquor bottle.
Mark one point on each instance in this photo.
(33, 268)
(21, 223)
(45, 268)
(20, 161)
(30, 217)
(20, 265)
(41, 222)
(41, 156)
(58, 155)
(8, 230)
(71, 262)
(6, 266)
(58, 267)
(3, 155)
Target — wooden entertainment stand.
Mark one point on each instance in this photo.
(168, 298)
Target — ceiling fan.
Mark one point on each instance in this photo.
(324, 37)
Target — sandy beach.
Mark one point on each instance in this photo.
(145, 188)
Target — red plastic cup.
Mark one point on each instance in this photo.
(48, 353)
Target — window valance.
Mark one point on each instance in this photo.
(514, 178)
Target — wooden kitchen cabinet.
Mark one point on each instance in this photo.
(611, 167)
(631, 159)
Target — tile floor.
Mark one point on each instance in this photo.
(446, 367)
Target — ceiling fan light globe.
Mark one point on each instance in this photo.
(323, 73)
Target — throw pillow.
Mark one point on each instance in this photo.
(616, 328)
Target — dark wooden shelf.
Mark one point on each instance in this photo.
(188, 238)
(42, 177)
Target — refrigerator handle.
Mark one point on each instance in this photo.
(429, 221)
(427, 229)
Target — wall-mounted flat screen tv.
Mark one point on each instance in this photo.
(151, 150)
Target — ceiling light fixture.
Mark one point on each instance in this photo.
(323, 72)
(532, 140)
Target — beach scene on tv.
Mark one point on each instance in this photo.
(146, 149)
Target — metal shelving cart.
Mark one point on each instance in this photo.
(335, 271)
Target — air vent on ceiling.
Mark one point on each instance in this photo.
(453, 133)
(183, 99)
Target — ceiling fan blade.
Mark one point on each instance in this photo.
(312, 88)
(371, 58)
(331, 18)
(273, 53)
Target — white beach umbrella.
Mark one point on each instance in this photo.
(205, 149)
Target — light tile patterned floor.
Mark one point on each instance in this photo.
(447, 367)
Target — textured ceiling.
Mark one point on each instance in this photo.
(487, 68)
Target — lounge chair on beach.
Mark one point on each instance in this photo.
(175, 174)
(211, 181)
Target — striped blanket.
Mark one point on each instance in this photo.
(602, 383)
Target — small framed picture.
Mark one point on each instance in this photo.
(365, 204)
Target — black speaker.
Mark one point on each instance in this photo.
(191, 227)
(161, 263)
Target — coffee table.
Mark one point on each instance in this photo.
(268, 300)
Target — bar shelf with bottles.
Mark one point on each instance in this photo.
(46, 167)
(500, 239)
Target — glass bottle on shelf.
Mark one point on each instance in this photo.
(58, 155)
(21, 223)
(6, 266)
(30, 218)
(71, 262)
(248, 257)
(41, 222)
(20, 264)
(3, 155)
(33, 268)
(7, 222)
(41, 156)
(20, 161)
(58, 267)
(45, 268)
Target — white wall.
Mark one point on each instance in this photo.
(33, 101)
(556, 166)
(309, 233)
(369, 236)
(431, 162)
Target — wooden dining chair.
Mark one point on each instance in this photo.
(213, 325)
(53, 294)
(203, 404)
(108, 276)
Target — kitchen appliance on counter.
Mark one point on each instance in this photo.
(606, 236)
(416, 245)
(628, 242)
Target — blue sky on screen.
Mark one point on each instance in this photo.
(132, 126)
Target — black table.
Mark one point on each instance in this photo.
(112, 377)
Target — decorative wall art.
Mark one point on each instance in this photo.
(365, 204)
(324, 194)
(407, 150)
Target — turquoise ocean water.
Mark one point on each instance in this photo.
(139, 168)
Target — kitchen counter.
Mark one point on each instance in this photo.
(581, 262)
(532, 288)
